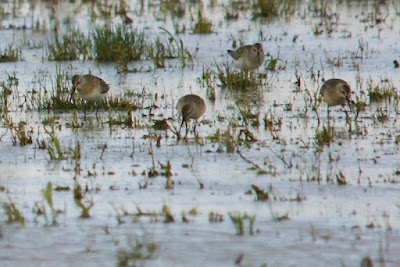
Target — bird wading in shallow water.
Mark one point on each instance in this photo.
(90, 88)
(248, 57)
(336, 92)
(190, 107)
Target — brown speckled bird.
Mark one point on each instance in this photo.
(336, 92)
(190, 107)
(90, 88)
(248, 57)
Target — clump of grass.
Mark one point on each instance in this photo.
(166, 212)
(157, 53)
(317, 30)
(78, 199)
(207, 80)
(61, 92)
(56, 98)
(270, 196)
(380, 116)
(53, 155)
(235, 79)
(271, 122)
(238, 221)
(215, 217)
(341, 179)
(271, 9)
(262, 195)
(224, 138)
(48, 195)
(272, 64)
(366, 262)
(126, 120)
(169, 48)
(176, 8)
(233, 10)
(324, 136)
(178, 50)
(202, 26)
(8, 85)
(166, 171)
(385, 90)
(248, 117)
(140, 250)
(231, 14)
(334, 61)
(71, 46)
(12, 213)
(19, 134)
(118, 44)
(10, 54)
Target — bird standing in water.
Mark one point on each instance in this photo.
(190, 107)
(336, 92)
(90, 88)
(248, 57)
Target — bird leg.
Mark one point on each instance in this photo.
(187, 130)
(328, 113)
(97, 110)
(348, 121)
(194, 127)
(84, 110)
(349, 102)
(347, 115)
(180, 128)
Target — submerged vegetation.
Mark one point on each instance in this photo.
(10, 54)
(272, 9)
(71, 46)
(119, 44)
(140, 250)
(12, 212)
(202, 26)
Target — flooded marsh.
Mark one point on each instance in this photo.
(267, 179)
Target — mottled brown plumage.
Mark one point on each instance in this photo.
(336, 92)
(190, 107)
(248, 57)
(90, 88)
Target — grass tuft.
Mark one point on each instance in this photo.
(72, 46)
(272, 9)
(12, 213)
(202, 26)
(324, 136)
(118, 44)
(236, 79)
(140, 250)
(10, 54)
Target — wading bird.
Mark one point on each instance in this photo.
(248, 57)
(90, 88)
(190, 107)
(336, 92)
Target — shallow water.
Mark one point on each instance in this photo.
(311, 219)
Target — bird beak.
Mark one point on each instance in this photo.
(350, 103)
(72, 93)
